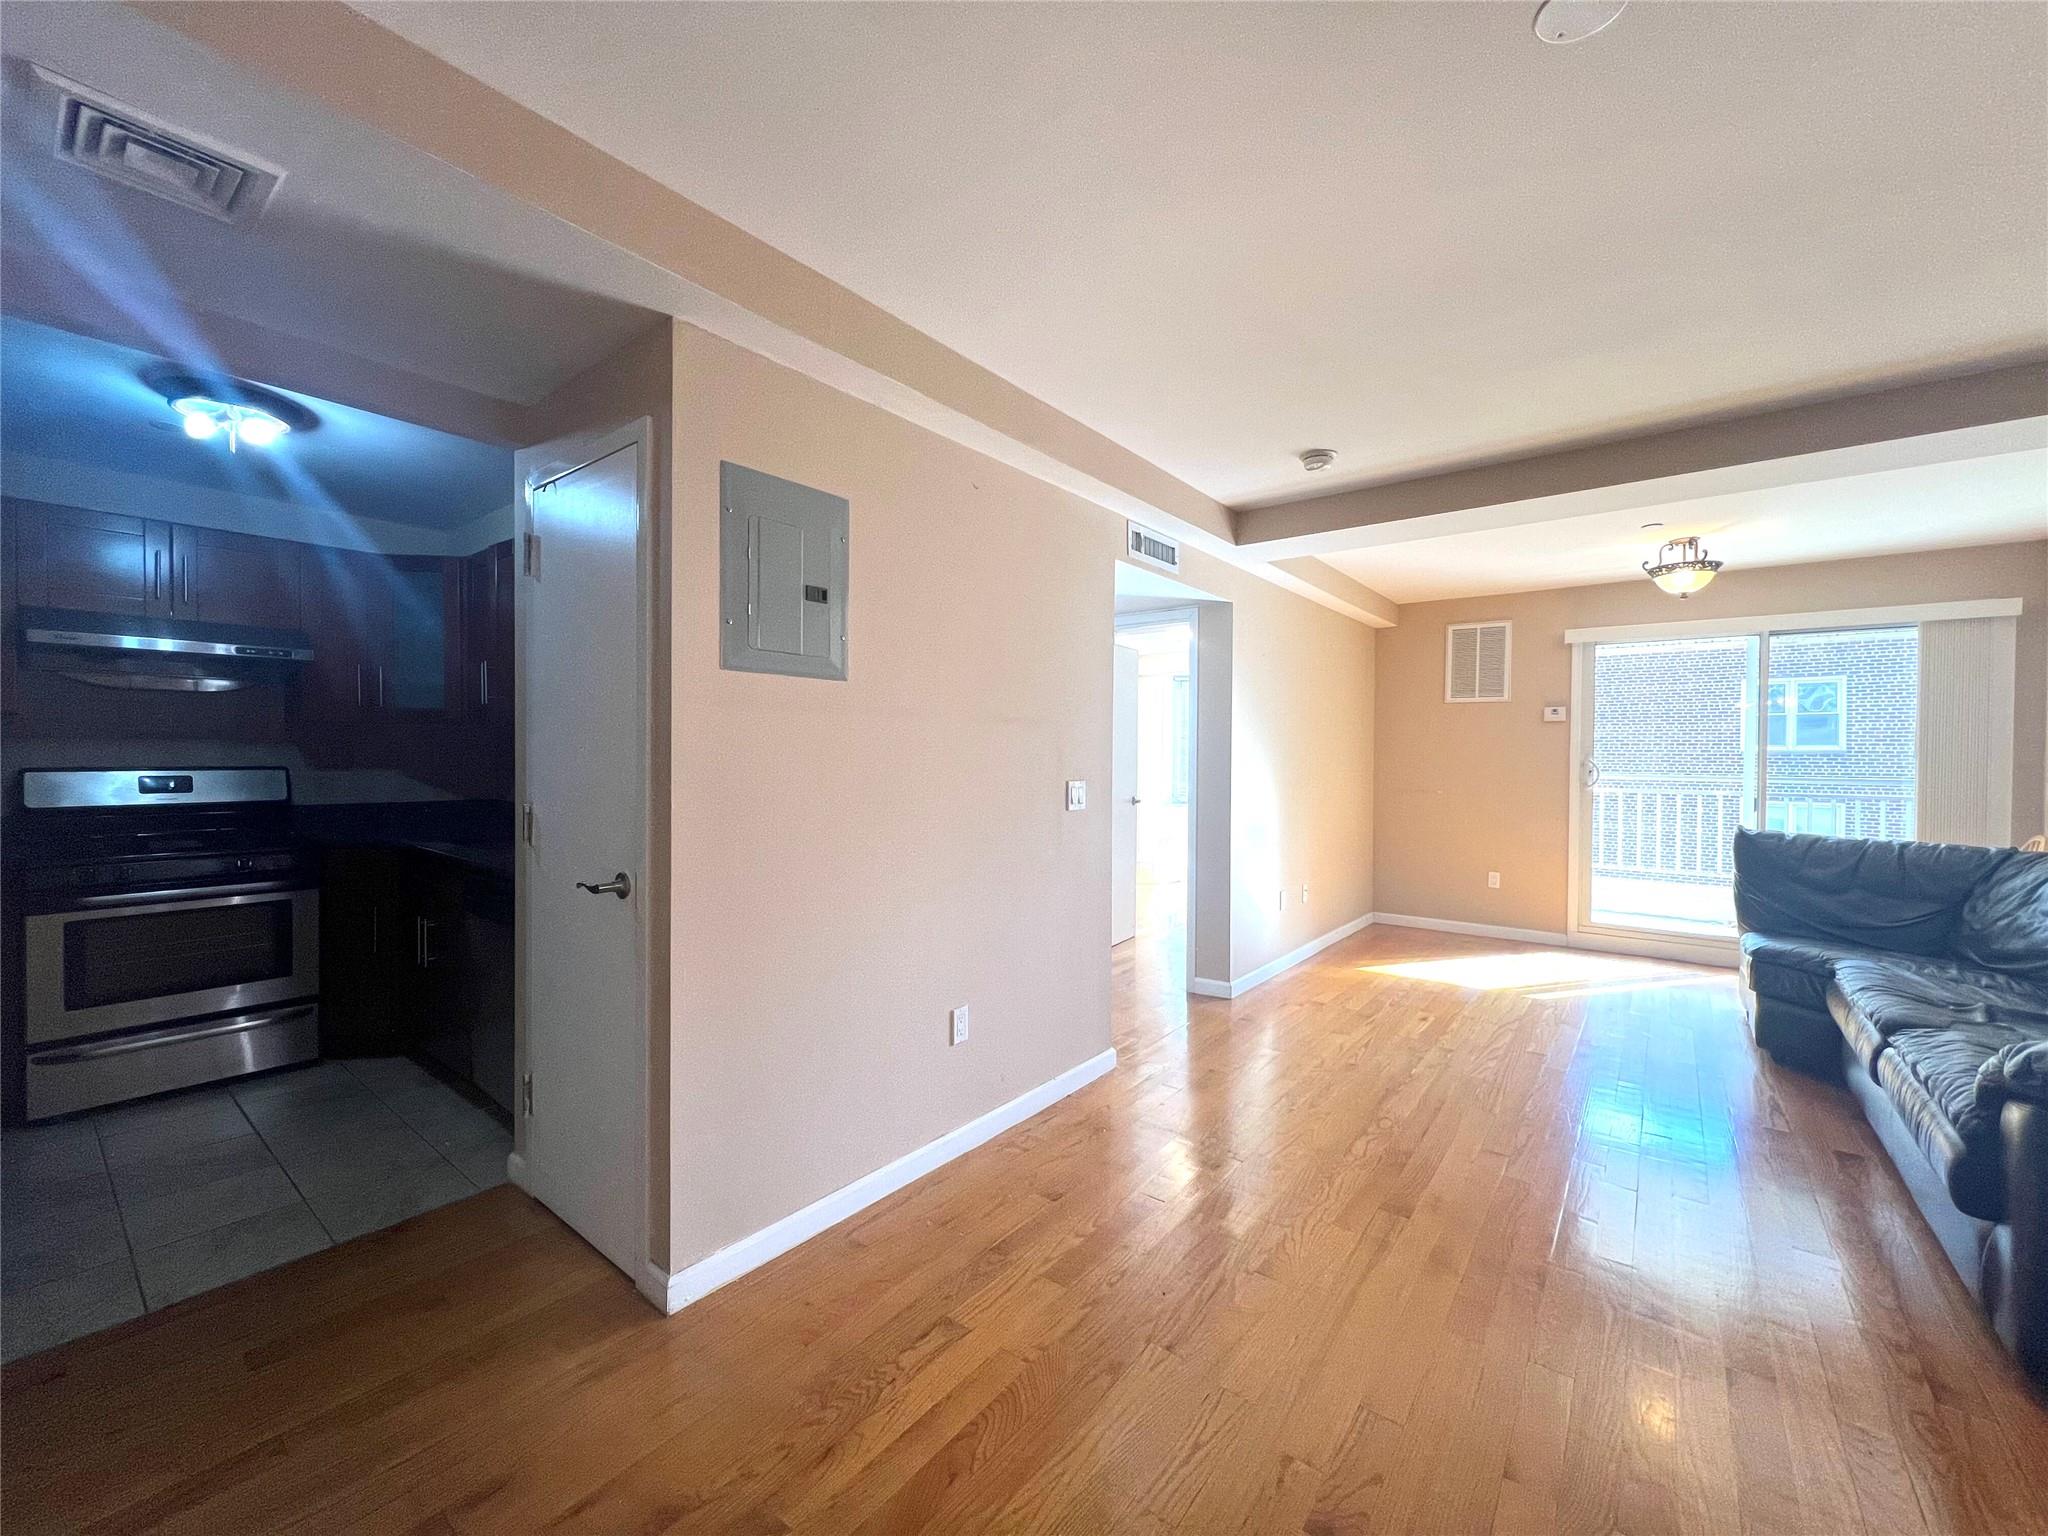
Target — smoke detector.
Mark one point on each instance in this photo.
(125, 145)
(1314, 459)
(1573, 21)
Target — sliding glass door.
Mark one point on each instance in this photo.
(1687, 739)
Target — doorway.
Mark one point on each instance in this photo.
(1685, 739)
(584, 627)
(1154, 785)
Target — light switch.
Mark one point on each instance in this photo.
(1077, 794)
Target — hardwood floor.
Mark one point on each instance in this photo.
(1430, 1234)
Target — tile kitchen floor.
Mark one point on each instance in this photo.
(124, 1210)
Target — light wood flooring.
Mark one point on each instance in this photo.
(1430, 1234)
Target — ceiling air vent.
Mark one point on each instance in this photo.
(1152, 548)
(125, 146)
(1476, 662)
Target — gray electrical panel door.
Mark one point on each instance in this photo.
(782, 575)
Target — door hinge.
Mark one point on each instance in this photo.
(526, 1094)
(526, 825)
(531, 547)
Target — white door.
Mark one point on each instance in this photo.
(1123, 798)
(582, 691)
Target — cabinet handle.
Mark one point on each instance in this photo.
(156, 574)
(185, 580)
(483, 683)
(421, 951)
(359, 685)
(380, 687)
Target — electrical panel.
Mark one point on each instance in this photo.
(782, 575)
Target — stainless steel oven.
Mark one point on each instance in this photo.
(170, 932)
(131, 961)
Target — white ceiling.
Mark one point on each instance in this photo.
(1994, 499)
(368, 247)
(78, 400)
(1408, 232)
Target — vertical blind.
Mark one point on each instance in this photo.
(1966, 715)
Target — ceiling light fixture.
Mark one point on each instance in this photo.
(211, 405)
(240, 424)
(1314, 459)
(1573, 21)
(1682, 567)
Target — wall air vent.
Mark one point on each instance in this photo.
(1152, 548)
(1476, 662)
(123, 145)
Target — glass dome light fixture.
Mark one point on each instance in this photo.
(240, 424)
(1681, 567)
(212, 405)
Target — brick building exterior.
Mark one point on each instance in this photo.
(1675, 729)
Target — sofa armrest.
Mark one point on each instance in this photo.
(2016, 1073)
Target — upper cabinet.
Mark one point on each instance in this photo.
(67, 557)
(236, 578)
(487, 632)
(101, 562)
(386, 632)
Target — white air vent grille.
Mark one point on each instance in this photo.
(1476, 662)
(1153, 548)
(124, 146)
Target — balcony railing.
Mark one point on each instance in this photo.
(1682, 827)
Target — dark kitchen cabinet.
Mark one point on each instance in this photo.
(365, 941)
(101, 562)
(98, 562)
(488, 633)
(236, 578)
(340, 681)
(417, 959)
(386, 634)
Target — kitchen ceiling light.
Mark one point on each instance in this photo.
(249, 424)
(213, 405)
(1681, 567)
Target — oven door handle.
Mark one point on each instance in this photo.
(190, 892)
(104, 1048)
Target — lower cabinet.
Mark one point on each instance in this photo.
(417, 959)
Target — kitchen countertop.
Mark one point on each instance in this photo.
(474, 833)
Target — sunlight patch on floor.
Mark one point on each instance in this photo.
(1559, 972)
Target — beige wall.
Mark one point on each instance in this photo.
(852, 859)
(1466, 788)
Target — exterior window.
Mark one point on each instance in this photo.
(1805, 713)
(1183, 721)
(1821, 818)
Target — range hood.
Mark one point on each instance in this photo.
(168, 655)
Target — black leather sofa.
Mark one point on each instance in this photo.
(1917, 974)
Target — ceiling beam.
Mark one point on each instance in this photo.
(1992, 409)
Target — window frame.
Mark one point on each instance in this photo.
(1791, 717)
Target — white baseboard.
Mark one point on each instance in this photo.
(673, 1292)
(1481, 930)
(1202, 986)
(1718, 952)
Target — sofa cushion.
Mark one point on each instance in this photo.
(1874, 997)
(1931, 1076)
(2004, 924)
(1795, 970)
(1902, 897)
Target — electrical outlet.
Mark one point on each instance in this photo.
(959, 1017)
(1493, 879)
(1077, 794)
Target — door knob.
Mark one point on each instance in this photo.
(618, 886)
(1134, 800)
